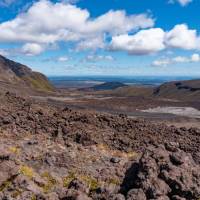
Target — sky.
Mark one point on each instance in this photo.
(103, 37)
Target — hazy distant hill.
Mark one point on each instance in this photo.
(108, 86)
(17, 74)
(186, 90)
(130, 91)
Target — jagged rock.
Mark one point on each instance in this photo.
(25, 195)
(4, 154)
(52, 196)
(27, 184)
(136, 194)
(34, 142)
(9, 170)
(164, 174)
(109, 189)
(39, 181)
(117, 197)
(175, 197)
(40, 197)
(75, 195)
(162, 198)
(178, 158)
(62, 192)
(79, 186)
(7, 120)
(172, 146)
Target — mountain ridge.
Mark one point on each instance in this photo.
(108, 86)
(183, 90)
(15, 73)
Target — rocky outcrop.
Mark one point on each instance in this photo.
(161, 173)
(164, 173)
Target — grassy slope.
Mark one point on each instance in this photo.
(129, 91)
(39, 82)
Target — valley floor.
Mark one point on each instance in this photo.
(169, 111)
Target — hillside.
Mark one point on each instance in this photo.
(108, 86)
(17, 74)
(183, 90)
(129, 91)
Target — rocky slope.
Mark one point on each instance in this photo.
(184, 90)
(55, 153)
(18, 74)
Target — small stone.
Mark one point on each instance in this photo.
(115, 160)
(177, 158)
(172, 146)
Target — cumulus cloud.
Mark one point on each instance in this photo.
(143, 42)
(179, 59)
(46, 22)
(117, 22)
(182, 37)
(32, 49)
(155, 39)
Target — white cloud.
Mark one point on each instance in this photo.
(155, 39)
(195, 57)
(117, 22)
(32, 49)
(143, 42)
(96, 58)
(179, 59)
(47, 22)
(63, 59)
(181, 2)
(109, 58)
(184, 2)
(162, 62)
(91, 43)
(182, 37)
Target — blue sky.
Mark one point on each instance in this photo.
(103, 37)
